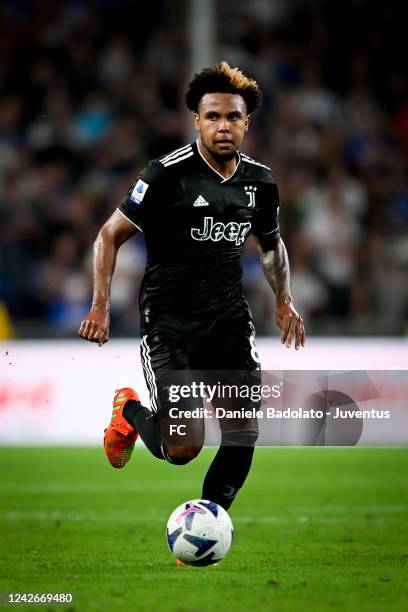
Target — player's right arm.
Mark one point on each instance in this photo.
(117, 229)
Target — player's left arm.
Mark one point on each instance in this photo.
(275, 264)
(275, 261)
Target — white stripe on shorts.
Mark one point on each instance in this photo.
(149, 374)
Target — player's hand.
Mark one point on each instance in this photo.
(95, 326)
(291, 324)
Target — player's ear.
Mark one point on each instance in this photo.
(197, 122)
(247, 122)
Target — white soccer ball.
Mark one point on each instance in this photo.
(199, 532)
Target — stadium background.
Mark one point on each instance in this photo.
(89, 91)
(92, 90)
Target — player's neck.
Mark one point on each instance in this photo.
(225, 168)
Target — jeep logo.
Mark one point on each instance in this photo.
(232, 231)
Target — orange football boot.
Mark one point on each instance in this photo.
(120, 436)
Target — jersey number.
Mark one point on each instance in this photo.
(254, 350)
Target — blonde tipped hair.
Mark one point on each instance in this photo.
(237, 78)
(223, 79)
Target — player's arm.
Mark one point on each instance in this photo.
(275, 264)
(118, 229)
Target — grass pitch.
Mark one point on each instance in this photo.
(315, 529)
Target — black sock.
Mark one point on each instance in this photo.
(145, 423)
(227, 474)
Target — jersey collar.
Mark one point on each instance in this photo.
(213, 171)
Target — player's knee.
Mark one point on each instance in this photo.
(181, 455)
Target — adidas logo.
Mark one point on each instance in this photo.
(200, 201)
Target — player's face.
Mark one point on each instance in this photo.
(222, 121)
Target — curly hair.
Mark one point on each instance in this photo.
(223, 79)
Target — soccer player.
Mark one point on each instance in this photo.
(196, 206)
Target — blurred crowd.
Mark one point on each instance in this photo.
(89, 91)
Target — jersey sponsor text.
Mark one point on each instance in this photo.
(232, 231)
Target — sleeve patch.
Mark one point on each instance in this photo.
(139, 192)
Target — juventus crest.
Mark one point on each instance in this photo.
(250, 191)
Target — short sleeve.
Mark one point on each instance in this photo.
(142, 194)
(266, 222)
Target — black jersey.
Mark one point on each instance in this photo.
(195, 223)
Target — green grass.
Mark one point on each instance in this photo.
(316, 529)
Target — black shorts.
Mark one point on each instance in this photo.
(175, 352)
(223, 343)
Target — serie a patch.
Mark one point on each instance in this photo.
(139, 191)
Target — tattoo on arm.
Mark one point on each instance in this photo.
(275, 264)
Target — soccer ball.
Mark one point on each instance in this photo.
(199, 532)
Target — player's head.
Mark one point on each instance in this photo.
(222, 99)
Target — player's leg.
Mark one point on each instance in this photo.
(232, 345)
(228, 472)
(165, 363)
(231, 465)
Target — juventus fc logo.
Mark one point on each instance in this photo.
(250, 191)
